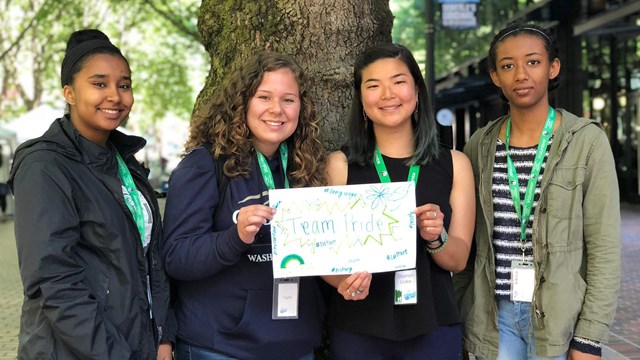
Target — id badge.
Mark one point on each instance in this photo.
(285, 298)
(522, 281)
(406, 287)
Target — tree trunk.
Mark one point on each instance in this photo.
(324, 36)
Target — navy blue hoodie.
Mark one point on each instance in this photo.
(224, 287)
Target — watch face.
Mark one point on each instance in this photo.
(443, 235)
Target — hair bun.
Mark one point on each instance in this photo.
(81, 44)
(80, 36)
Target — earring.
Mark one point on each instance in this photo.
(366, 120)
(415, 113)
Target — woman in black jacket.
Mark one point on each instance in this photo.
(87, 223)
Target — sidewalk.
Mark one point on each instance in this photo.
(10, 293)
(624, 336)
(624, 341)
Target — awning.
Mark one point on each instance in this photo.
(603, 23)
(473, 87)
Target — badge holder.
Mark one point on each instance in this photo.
(285, 298)
(522, 280)
(406, 287)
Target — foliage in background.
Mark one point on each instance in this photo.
(159, 38)
(452, 47)
(409, 27)
(323, 36)
(163, 45)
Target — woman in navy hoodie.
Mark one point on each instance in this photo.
(261, 133)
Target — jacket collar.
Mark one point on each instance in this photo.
(570, 125)
(63, 138)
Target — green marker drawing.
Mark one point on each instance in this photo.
(289, 258)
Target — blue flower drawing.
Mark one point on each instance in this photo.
(382, 195)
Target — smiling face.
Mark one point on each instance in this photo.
(389, 93)
(523, 71)
(273, 111)
(100, 97)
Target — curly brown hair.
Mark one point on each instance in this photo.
(224, 125)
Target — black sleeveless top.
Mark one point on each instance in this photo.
(377, 315)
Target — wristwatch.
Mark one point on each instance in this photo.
(443, 235)
(441, 240)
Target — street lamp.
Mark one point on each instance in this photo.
(430, 66)
(598, 103)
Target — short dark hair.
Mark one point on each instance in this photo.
(517, 28)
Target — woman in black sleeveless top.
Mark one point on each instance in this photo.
(391, 121)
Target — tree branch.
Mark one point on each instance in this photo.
(19, 38)
(31, 24)
(176, 22)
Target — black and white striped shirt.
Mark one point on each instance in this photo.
(506, 226)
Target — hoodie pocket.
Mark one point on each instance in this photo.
(257, 330)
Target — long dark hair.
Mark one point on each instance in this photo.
(362, 140)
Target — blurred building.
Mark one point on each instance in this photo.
(599, 49)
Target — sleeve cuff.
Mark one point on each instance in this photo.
(586, 346)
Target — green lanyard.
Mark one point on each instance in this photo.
(383, 174)
(133, 200)
(265, 170)
(514, 184)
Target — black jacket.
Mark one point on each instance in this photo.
(82, 263)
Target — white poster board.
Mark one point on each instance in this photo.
(343, 229)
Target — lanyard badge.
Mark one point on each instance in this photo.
(523, 210)
(523, 277)
(523, 272)
(285, 298)
(265, 170)
(406, 281)
(383, 174)
(286, 290)
(133, 198)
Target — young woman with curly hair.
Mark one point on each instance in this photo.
(261, 128)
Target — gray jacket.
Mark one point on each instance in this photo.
(576, 242)
(83, 267)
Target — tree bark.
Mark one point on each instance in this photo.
(324, 36)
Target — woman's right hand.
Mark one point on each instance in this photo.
(250, 219)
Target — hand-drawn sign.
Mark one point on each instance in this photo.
(342, 229)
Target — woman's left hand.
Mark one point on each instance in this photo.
(430, 221)
(355, 286)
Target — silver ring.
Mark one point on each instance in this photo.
(435, 214)
(359, 291)
(353, 294)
